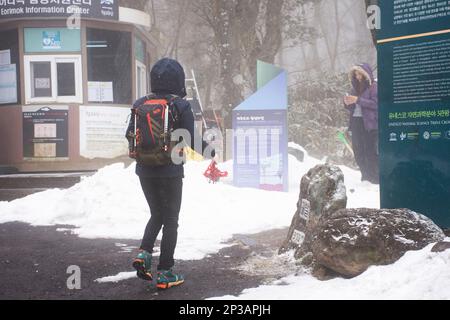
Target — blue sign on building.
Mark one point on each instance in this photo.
(51, 40)
(260, 128)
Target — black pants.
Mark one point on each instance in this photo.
(365, 146)
(164, 199)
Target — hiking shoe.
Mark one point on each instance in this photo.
(143, 264)
(167, 279)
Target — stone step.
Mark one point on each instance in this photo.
(41, 181)
(8, 170)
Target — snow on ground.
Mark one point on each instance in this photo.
(418, 275)
(118, 277)
(110, 204)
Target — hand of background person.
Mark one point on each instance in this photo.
(349, 100)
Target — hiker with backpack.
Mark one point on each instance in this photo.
(154, 120)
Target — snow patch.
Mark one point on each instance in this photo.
(118, 277)
(66, 230)
(345, 238)
(403, 240)
(270, 266)
(417, 275)
(361, 224)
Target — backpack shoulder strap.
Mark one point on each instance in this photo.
(171, 101)
(171, 98)
(141, 101)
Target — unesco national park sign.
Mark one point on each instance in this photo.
(93, 9)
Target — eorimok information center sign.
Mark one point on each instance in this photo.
(414, 102)
(94, 9)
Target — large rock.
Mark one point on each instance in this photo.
(322, 191)
(348, 241)
(332, 240)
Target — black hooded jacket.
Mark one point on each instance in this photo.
(168, 78)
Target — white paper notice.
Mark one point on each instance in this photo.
(100, 91)
(107, 93)
(8, 84)
(102, 132)
(94, 94)
(5, 57)
(42, 83)
(45, 130)
(45, 150)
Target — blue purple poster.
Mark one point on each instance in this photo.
(260, 134)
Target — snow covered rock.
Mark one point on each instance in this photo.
(332, 240)
(322, 191)
(349, 241)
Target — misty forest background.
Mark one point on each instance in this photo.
(316, 41)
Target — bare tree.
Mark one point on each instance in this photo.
(178, 25)
(316, 40)
(245, 31)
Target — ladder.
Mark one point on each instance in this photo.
(193, 82)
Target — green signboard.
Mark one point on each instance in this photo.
(414, 102)
(52, 40)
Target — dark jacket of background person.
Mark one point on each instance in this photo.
(168, 78)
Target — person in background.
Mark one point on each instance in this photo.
(362, 102)
(163, 185)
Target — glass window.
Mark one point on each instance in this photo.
(9, 67)
(109, 66)
(141, 80)
(139, 50)
(66, 79)
(41, 79)
(55, 78)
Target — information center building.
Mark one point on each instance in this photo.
(69, 71)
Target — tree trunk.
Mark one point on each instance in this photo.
(225, 36)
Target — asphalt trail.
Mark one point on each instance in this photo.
(34, 262)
